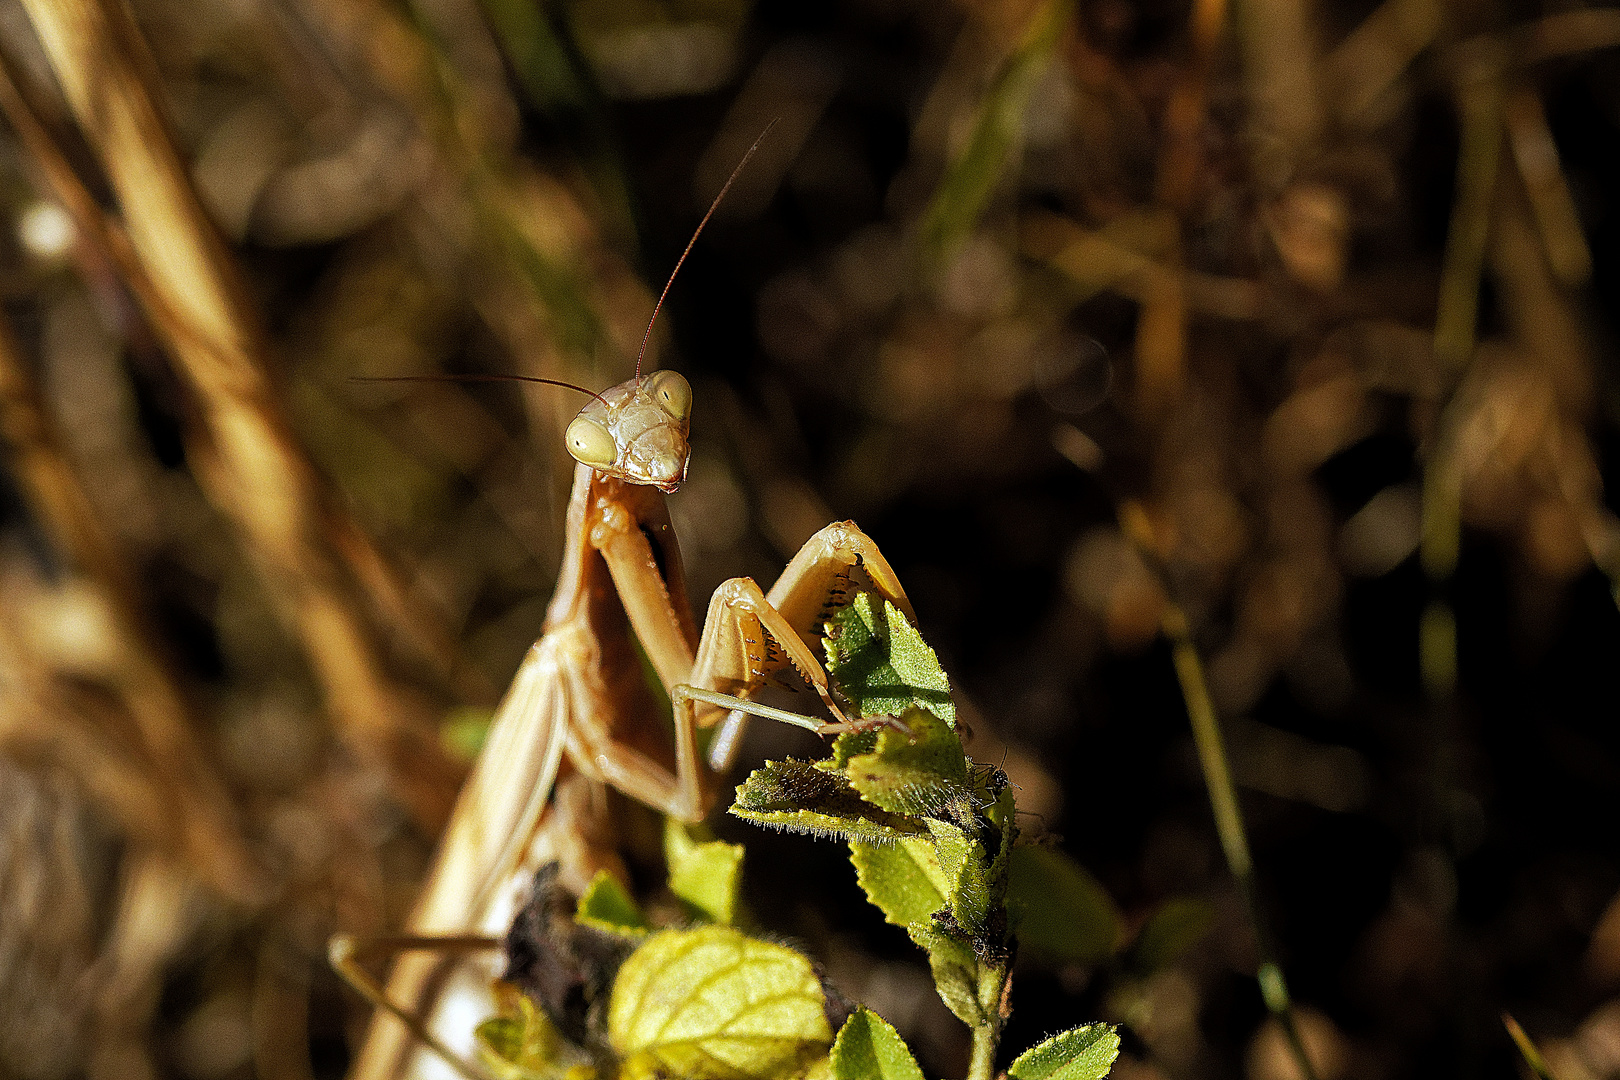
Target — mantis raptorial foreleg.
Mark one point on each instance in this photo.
(748, 639)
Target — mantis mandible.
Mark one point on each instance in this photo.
(579, 714)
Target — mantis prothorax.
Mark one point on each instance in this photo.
(579, 714)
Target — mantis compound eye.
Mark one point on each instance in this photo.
(672, 392)
(591, 444)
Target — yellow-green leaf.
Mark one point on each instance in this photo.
(1082, 1053)
(957, 974)
(704, 873)
(605, 905)
(520, 1043)
(713, 1004)
(972, 894)
(868, 1048)
(1171, 930)
(902, 880)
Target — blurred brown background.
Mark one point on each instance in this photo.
(1318, 298)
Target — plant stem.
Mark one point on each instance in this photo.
(1229, 822)
(1211, 747)
(982, 1065)
(1479, 96)
(987, 1033)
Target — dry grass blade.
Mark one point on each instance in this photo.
(47, 939)
(1536, 155)
(249, 463)
(1368, 63)
(1096, 262)
(42, 727)
(202, 813)
(1279, 54)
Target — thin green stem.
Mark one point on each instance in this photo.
(982, 1065)
(1223, 801)
(1211, 747)
(1229, 822)
(1479, 103)
(1527, 1049)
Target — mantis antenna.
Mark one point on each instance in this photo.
(478, 378)
(646, 337)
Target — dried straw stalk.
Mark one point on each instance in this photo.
(248, 460)
(199, 810)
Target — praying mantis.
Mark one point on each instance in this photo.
(580, 717)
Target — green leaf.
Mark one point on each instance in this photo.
(881, 663)
(520, 1043)
(1082, 1053)
(1061, 912)
(606, 906)
(703, 874)
(920, 773)
(851, 744)
(972, 894)
(1170, 931)
(1002, 817)
(464, 730)
(800, 797)
(712, 1004)
(901, 880)
(869, 1049)
(955, 969)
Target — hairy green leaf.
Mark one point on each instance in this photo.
(712, 1004)
(1082, 1053)
(704, 873)
(1002, 816)
(920, 771)
(955, 968)
(972, 894)
(800, 797)
(851, 744)
(605, 905)
(882, 664)
(1061, 912)
(520, 1043)
(901, 880)
(868, 1048)
(1171, 930)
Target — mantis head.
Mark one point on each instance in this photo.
(637, 431)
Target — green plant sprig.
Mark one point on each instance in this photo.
(932, 839)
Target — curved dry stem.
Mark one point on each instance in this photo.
(203, 817)
(248, 460)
